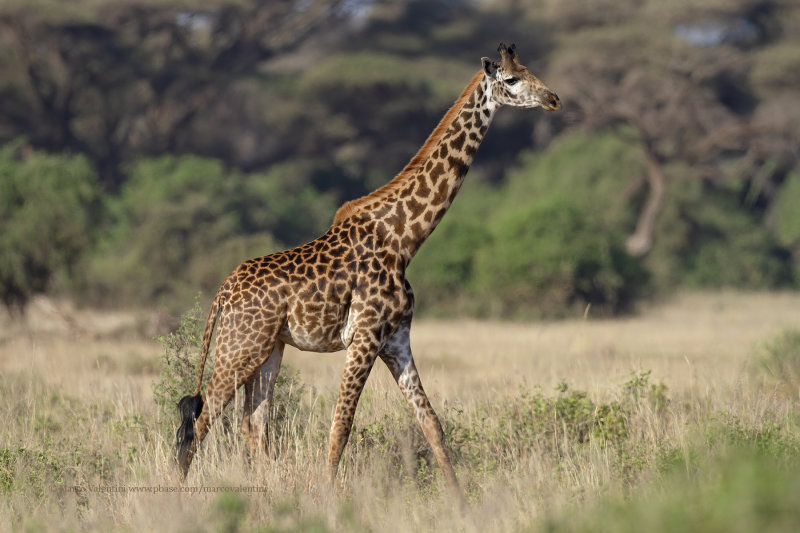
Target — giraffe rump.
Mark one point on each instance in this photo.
(189, 408)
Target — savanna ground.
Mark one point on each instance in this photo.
(682, 417)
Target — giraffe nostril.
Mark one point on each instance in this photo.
(552, 103)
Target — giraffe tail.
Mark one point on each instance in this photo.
(191, 406)
(208, 332)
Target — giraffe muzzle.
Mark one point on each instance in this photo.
(551, 102)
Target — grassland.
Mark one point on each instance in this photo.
(683, 417)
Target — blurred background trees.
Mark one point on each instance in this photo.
(150, 146)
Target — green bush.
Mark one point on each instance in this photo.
(445, 265)
(706, 238)
(779, 360)
(498, 434)
(548, 257)
(49, 207)
(738, 488)
(550, 239)
(547, 242)
(785, 215)
(181, 224)
(180, 363)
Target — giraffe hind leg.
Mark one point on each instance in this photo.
(258, 406)
(231, 370)
(220, 391)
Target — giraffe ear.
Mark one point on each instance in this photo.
(489, 67)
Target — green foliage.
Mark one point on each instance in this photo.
(735, 486)
(593, 183)
(297, 123)
(7, 460)
(442, 270)
(35, 470)
(567, 419)
(639, 388)
(178, 368)
(499, 434)
(181, 224)
(48, 210)
(548, 241)
(707, 238)
(779, 359)
(727, 432)
(785, 212)
(548, 256)
(229, 512)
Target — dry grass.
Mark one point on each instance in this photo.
(78, 410)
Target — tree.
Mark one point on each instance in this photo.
(132, 79)
(671, 97)
(49, 205)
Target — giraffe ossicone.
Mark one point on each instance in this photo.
(347, 289)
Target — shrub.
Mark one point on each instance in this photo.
(49, 205)
(779, 360)
(739, 491)
(181, 224)
(442, 271)
(37, 470)
(549, 240)
(558, 241)
(180, 359)
(784, 215)
(549, 257)
(706, 238)
(500, 434)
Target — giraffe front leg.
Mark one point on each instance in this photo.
(258, 405)
(397, 356)
(360, 358)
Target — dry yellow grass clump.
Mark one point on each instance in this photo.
(543, 419)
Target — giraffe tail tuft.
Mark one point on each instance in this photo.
(189, 408)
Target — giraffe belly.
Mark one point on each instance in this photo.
(319, 331)
(309, 342)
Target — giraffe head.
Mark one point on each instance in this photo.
(511, 83)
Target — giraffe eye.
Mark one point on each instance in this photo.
(511, 81)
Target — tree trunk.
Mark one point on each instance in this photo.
(641, 241)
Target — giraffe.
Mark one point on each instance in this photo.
(347, 289)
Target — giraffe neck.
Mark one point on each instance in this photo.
(409, 208)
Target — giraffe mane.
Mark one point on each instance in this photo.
(353, 206)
